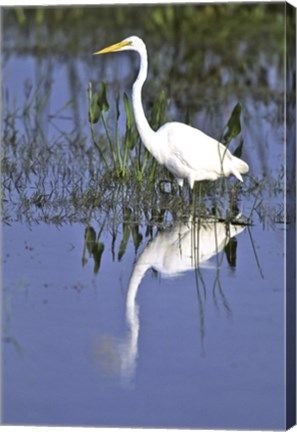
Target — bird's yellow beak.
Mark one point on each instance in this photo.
(116, 47)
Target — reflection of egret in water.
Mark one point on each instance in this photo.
(181, 248)
(172, 252)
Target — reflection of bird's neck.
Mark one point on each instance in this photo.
(130, 349)
(138, 273)
(147, 135)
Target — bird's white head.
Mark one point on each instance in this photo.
(132, 43)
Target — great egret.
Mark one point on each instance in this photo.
(185, 151)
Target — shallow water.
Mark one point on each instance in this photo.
(79, 351)
(147, 324)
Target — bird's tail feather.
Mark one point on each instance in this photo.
(239, 167)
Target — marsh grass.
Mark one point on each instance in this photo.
(109, 182)
(123, 156)
(79, 175)
(64, 177)
(129, 158)
(102, 177)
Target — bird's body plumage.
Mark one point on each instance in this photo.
(191, 161)
(185, 151)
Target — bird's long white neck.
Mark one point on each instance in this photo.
(147, 134)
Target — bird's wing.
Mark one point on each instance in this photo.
(193, 148)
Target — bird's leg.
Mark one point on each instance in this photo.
(234, 202)
(197, 189)
(182, 193)
(193, 199)
(200, 193)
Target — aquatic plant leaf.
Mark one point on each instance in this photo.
(118, 105)
(159, 111)
(94, 110)
(113, 240)
(97, 255)
(233, 125)
(21, 16)
(124, 242)
(90, 238)
(131, 138)
(98, 104)
(129, 112)
(89, 242)
(126, 232)
(39, 16)
(137, 236)
(230, 251)
(238, 150)
(157, 17)
(102, 99)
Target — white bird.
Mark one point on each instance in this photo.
(185, 151)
